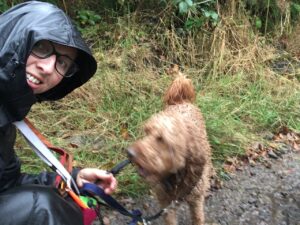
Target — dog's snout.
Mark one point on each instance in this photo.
(130, 153)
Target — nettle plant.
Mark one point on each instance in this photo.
(197, 12)
(87, 18)
(267, 15)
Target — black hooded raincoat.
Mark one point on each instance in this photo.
(20, 28)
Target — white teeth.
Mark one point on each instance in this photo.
(32, 79)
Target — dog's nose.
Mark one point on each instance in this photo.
(130, 153)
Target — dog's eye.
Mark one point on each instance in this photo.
(159, 138)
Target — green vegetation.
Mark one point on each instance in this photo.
(230, 51)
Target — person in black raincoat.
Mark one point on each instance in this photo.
(42, 58)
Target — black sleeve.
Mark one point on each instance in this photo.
(10, 166)
(9, 163)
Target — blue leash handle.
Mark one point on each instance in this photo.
(93, 190)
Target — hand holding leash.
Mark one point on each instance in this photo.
(101, 178)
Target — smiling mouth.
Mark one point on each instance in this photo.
(32, 79)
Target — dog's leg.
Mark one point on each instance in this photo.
(164, 201)
(197, 197)
(170, 217)
(197, 210)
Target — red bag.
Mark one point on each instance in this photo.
(89, 214)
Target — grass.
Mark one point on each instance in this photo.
(240, 97)
(101, 126)
(240, 110)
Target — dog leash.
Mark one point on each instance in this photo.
(96, 192)
(119, 166)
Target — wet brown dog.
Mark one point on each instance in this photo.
(174, 156)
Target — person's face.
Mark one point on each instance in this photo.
(46, 68)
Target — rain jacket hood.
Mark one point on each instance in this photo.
(20, 28)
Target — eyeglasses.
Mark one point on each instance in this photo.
(64, 65)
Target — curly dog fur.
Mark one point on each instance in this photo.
(174, 156)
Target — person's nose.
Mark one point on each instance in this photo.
(47, 65)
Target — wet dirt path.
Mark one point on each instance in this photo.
(259, 195)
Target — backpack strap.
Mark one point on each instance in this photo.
(65, 158)
(62, 167)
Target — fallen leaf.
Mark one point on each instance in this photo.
(296, 146)
(229, 168)
(124, 132)
(65, 136)
(106, 220)
(73, 145)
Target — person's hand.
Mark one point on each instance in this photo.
(104, 179)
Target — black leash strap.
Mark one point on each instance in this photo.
(95, 191)
(115, 170)
(119, 167)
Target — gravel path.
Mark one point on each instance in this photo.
(259, 195)
(265, 194)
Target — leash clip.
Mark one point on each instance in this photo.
(145, 222)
